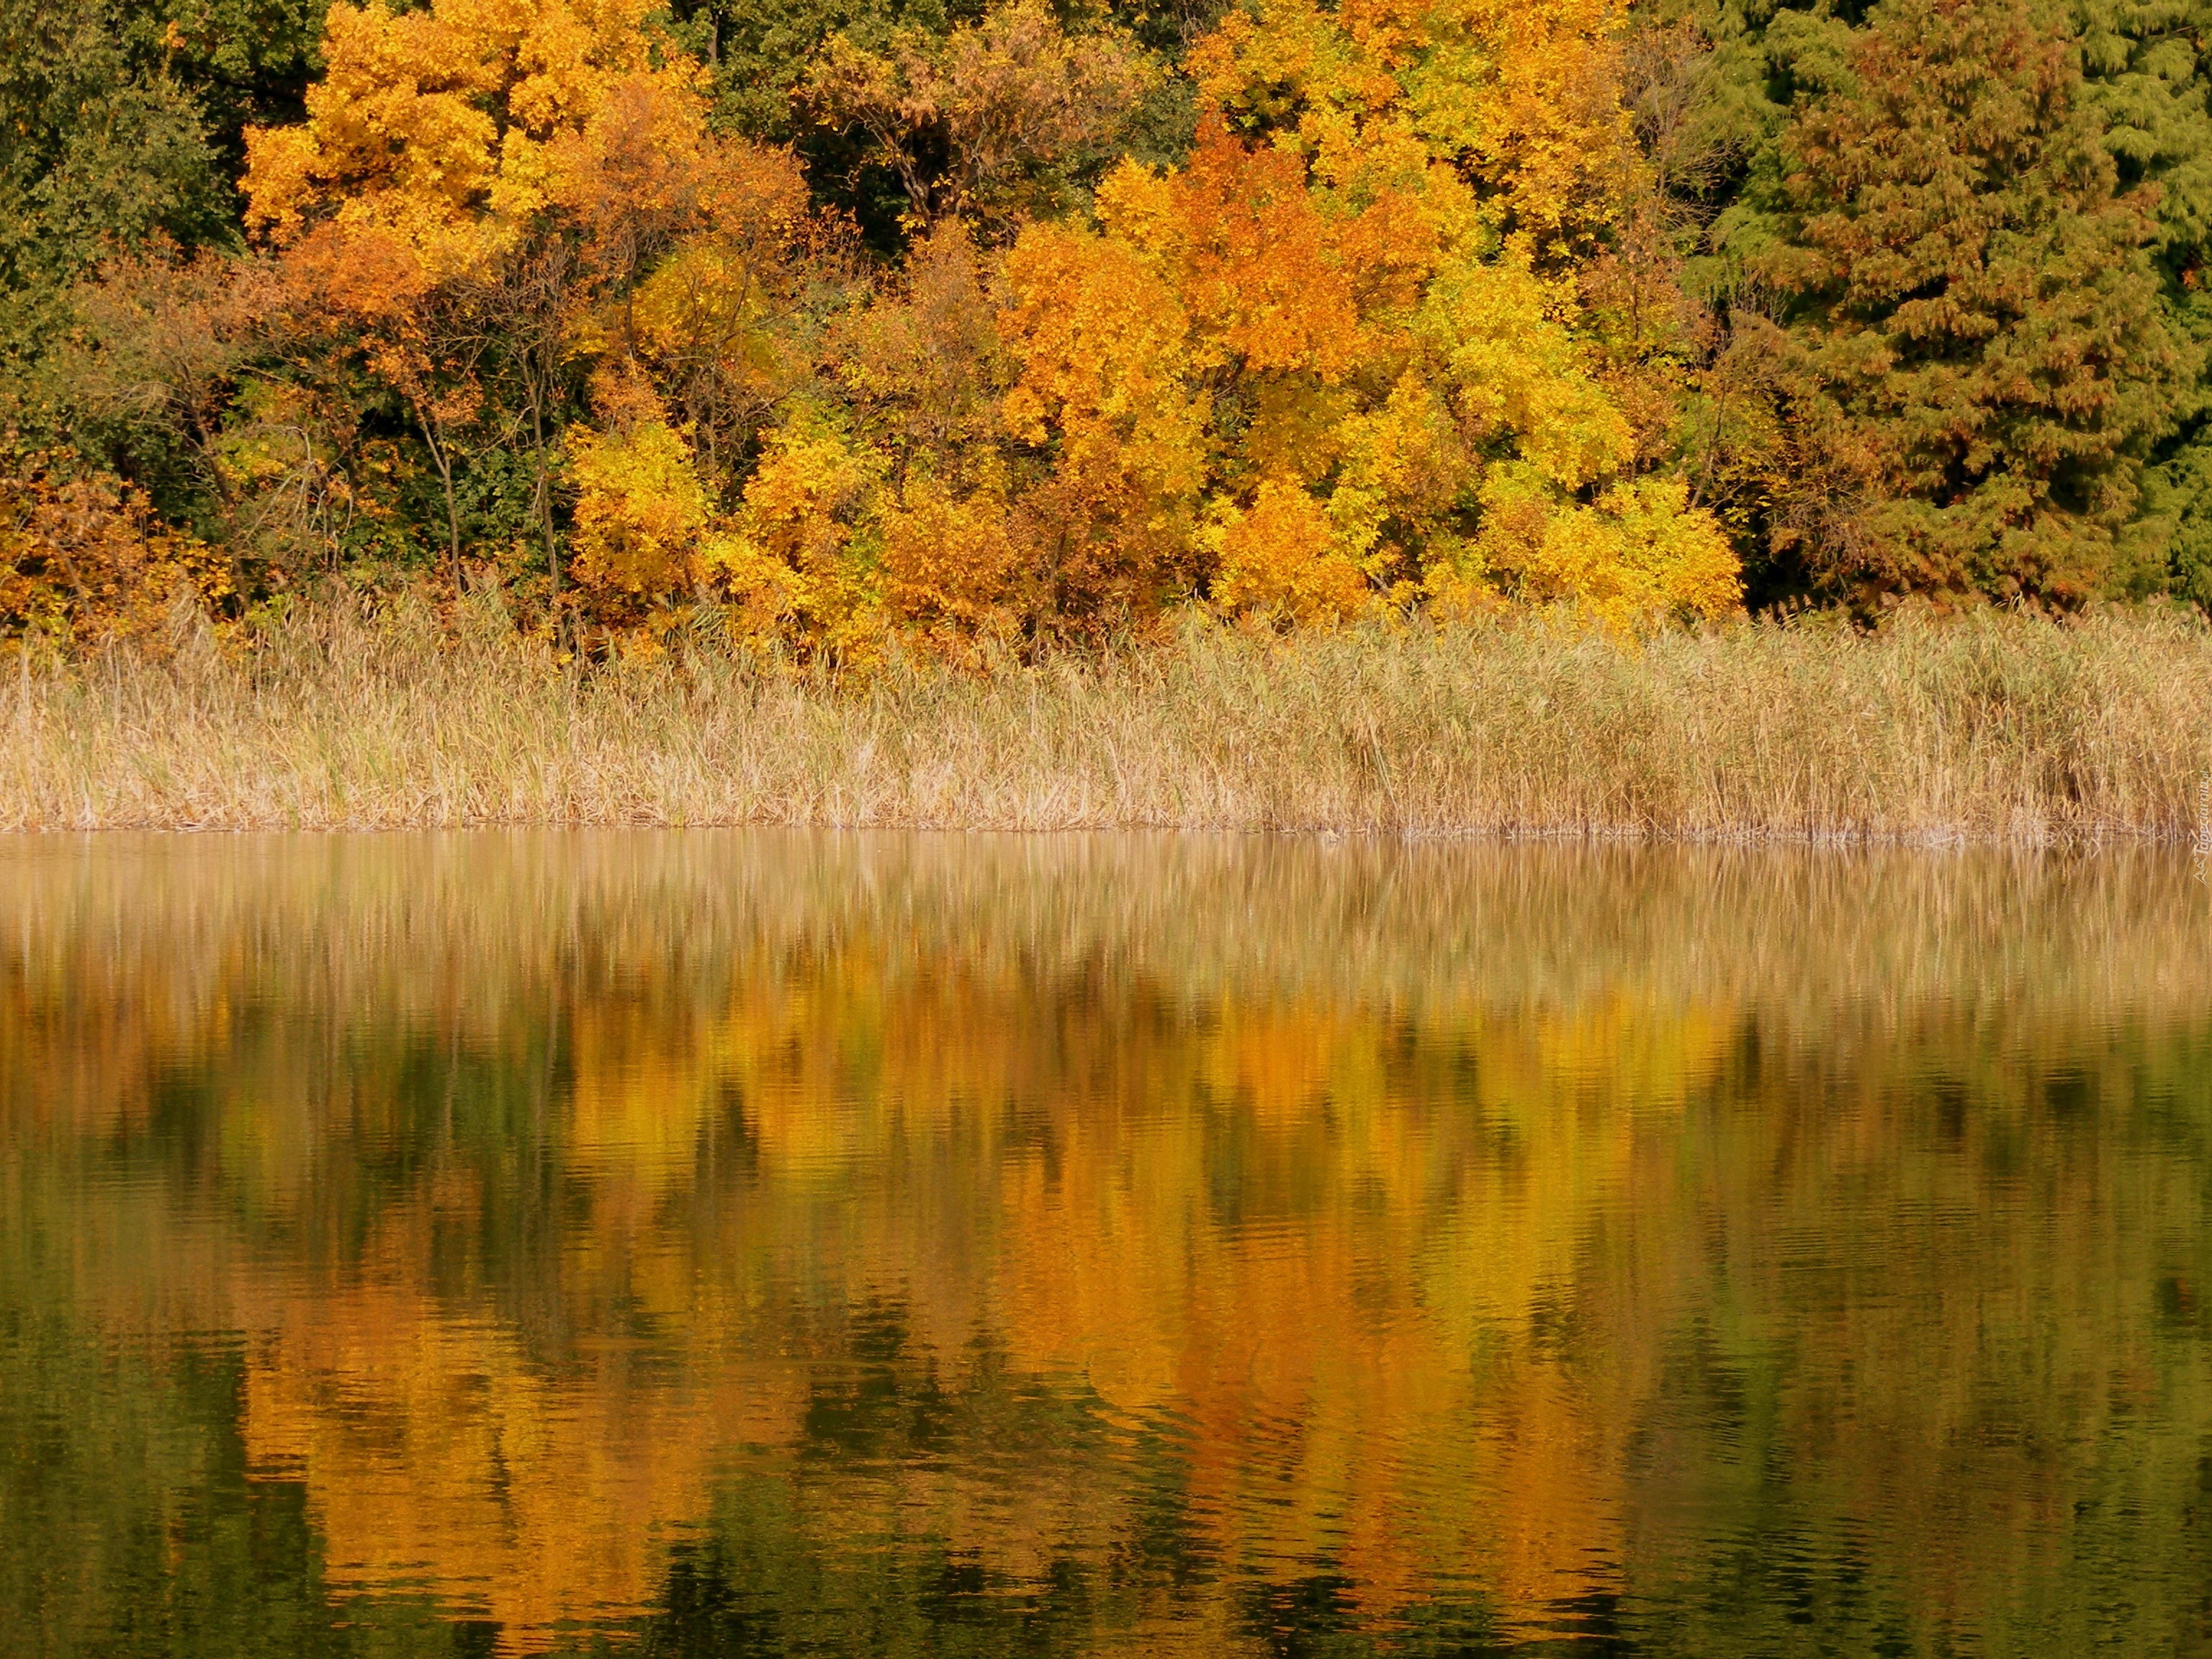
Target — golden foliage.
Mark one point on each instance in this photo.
(1328, 358)
(1638, 551)
(975, 123)
(952, 561)
(448, 127)
(783, 560)
(639, 507)
(1508, 112)
(921, 364)
(84, 559)
(1341, 359)
(539, 178)
(1282, 558)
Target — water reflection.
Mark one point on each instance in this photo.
(737, 1244)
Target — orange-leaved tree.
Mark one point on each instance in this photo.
(987, 123)
(531, 188)
(1340, 358)
(84, 559)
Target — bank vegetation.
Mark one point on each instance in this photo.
(1990, 728)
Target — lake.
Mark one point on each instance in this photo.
(693, 1242)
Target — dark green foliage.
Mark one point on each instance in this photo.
(104, 145)
(247, 60)
(758, 54)
(123, 122)
(758, 51)
(125, 118)
(1974, 351)
(1955, 261)
(2177, 506)
(2143, 61)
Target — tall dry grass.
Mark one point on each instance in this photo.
(1992, 728)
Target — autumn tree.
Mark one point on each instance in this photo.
(993, 120)
(180, 380)
(84, 558)
(1340, 359)
(485, 193)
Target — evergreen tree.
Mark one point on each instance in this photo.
(1968, 346)
(1956, 260)
(2145, 64)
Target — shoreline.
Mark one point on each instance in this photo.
(1986, 731)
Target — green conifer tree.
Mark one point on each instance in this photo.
(1970, 341)
(2144, 61)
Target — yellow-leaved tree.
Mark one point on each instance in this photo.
(531, 188)
(1341, 358)
(1338, 358)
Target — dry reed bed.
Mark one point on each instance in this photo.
(1995, 728)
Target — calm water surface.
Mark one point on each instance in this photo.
(729, 1243)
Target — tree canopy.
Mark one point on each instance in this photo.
(1015, 322)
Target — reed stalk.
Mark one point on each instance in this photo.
(1991, 728)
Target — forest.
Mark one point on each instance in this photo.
(846, 322)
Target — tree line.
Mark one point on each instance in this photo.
(962, 323)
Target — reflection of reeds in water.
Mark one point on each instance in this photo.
(1997, 728)
(471, 926)
(1413, 1217)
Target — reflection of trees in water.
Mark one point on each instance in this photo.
(1185, 1244)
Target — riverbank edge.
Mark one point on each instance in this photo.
(1987, 729)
